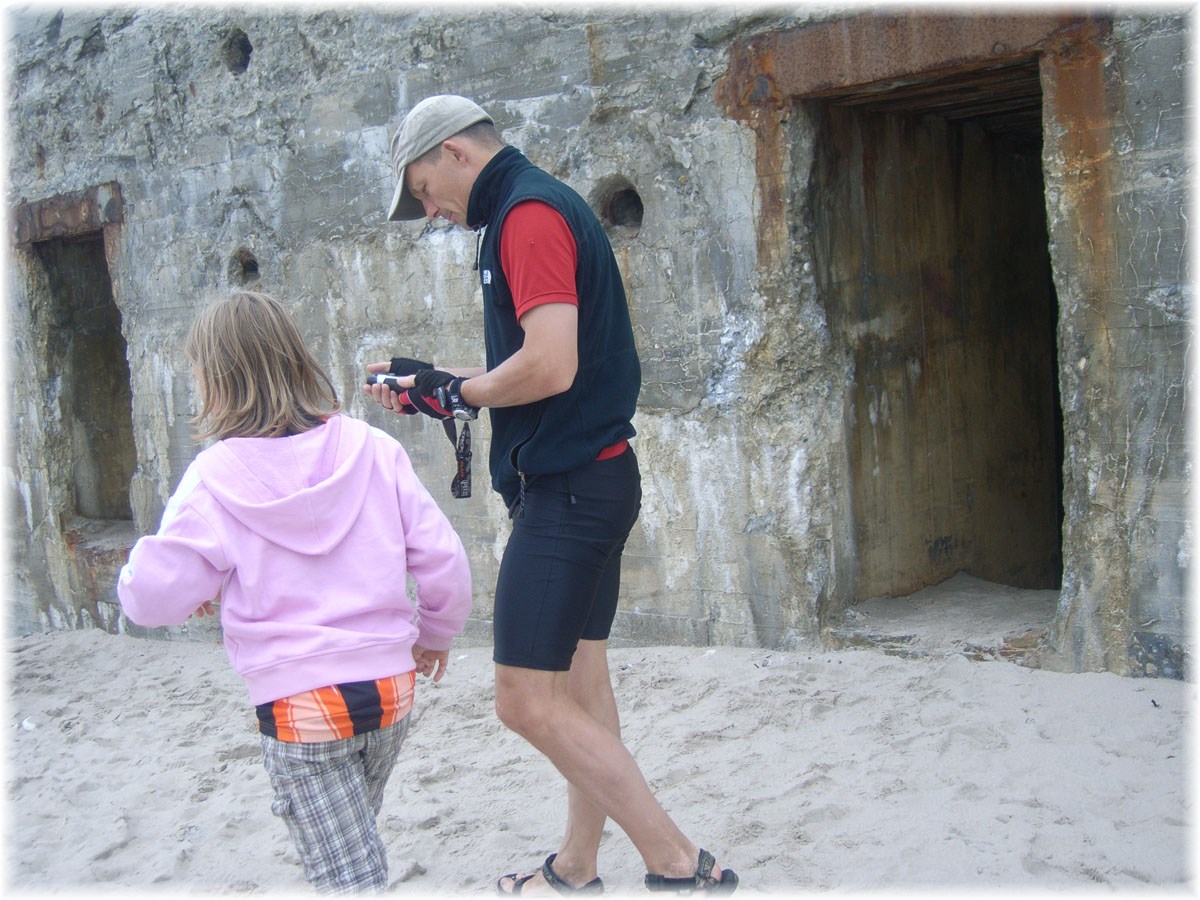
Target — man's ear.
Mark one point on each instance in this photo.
(457, 149)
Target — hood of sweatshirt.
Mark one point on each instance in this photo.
(301, 492)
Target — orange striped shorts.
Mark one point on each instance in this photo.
(338, 711)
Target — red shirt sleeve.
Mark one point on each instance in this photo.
(538, 253)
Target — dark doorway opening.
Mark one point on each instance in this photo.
(933, 263)
(86, 355)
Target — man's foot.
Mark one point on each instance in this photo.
(702, 881)
(544, 882)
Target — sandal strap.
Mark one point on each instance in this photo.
(518, 883)
(595, 886)
(702, 880)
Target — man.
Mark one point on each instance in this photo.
(561, 386)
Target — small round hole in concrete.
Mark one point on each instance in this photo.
(243, 268)
(625, 208)
(619, 206)
(236, 50)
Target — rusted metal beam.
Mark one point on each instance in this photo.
(66, 215)
(825, 59)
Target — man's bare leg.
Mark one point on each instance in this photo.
(538, 706)
(590, 685)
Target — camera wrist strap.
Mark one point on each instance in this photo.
(460, 484)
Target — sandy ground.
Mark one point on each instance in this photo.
(134, 764)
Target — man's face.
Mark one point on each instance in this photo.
(439, 185)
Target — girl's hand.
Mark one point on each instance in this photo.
(431, 663)
(207, 608)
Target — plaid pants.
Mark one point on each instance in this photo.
(329, 794)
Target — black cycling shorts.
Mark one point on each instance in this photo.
(561, 570)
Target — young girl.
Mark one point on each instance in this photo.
(305, 523)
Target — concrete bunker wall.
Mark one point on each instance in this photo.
(1099, 162)
(251, 149)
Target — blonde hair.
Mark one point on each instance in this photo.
(257, 378)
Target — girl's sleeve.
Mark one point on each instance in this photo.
(436, 561)
(171, 573)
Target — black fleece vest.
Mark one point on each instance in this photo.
(565, 431)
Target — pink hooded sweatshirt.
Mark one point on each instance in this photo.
(309, 540)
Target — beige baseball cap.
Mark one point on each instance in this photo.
(427, 124)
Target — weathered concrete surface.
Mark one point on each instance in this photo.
(1119, 223)
(250, 147)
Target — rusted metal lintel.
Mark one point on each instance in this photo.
(66, 215)
(822, 60)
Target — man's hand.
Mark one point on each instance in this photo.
(400, 400)
(431, 662)
(402, 365)
(428, 381)
(386, 396)
(437, 393)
